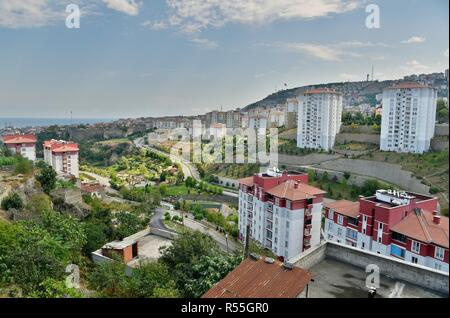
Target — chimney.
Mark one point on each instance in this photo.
(436, 219)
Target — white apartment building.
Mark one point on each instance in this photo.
(62, 156)
(24, 145)
(283, 212)
(408, 118)
(258, 122)
(291, 113)
(319, 119)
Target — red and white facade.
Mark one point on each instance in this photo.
(24, 145)
(62, 156)
(391, 223)
(283, 211)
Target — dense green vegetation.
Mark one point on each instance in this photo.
(442, 111)
(357, 118)
(341, 189)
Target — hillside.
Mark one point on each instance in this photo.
(354, 93)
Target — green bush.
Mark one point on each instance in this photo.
(13, 201)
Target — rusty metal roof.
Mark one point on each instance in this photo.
(258, 279)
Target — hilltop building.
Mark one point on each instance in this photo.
(408, 118)
(24, 145)
(399, 224)
(283, 211)
(319, 119)
(62, 156)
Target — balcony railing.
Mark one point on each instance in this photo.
(307, 232)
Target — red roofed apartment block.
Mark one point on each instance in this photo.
(283, 211)
(392, 223)
(24, 145)
(62, 156)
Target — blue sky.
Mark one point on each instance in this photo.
(172, 57)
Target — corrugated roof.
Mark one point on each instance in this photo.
(345, 207)
(420, 226)
(258, 279)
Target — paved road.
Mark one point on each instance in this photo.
(104, 181)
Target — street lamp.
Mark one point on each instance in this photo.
(226, 239)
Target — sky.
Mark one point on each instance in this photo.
(134, 58)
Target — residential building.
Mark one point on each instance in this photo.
(258, 122)
(319, 119)
(408, 118)
(277, 117)
(282, 210)
(262, 278)
(62, 156)
(392, 223)
(231, 118)
(291, 113)
(24, 145)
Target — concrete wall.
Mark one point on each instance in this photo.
(164, 234)
(311, 258)
(311, 159)
(439, 145)
(390, 267)
(441, 130)
(364, 138)
(391, 173)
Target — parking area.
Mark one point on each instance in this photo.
(148, 249)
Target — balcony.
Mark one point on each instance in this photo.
(269, 208)
(307, 233)
(269, 216)
(308, 214)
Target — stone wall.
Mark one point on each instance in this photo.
(439, 145)
(364, 138)
(391, 173)
(442, 130)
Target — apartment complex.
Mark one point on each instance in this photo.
(282, 210)
(319, 118)
(408, 118)
(392, 223)
(291, 113)
(62, 156)
(231, 118)
(24, 145)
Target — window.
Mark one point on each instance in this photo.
(415, 247)
(439, 253)
(331, 214)
(340, 219)
(414, 260)
(286, 244)
(288, 204)
(398, 237)
(352, 234)
(339, 232)
(330, 226)
(353, 221)
(438, 266)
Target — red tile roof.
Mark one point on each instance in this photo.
(420, 226)
(19, 139)
(293, 190)
(61, 146)
(345, 207)
(247, 181)
(258, 279)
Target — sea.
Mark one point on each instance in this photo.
(22, 122)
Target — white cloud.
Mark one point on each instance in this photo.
(155, 25)
(414, 40)
(130, 7)
(30, 13)
(327, 52)
(195, 15)
(205, 43)
(350, 77)
(414, 67)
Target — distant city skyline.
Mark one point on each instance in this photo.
(187, 57)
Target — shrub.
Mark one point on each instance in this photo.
(13, 201)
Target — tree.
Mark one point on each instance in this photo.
(23, 166)
(207, 271)
(128, 224)
(184, 252)
(52, 288)
(39, 203)
(13, 201)
(47, 179)
(152, 280)
(95, 236)
(110, 279)
(347, 175)
(442, 111)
